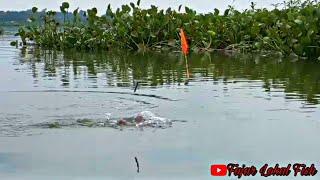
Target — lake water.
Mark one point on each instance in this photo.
(236, 109)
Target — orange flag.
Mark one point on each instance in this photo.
(184, 42)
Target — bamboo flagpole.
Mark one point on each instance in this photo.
(185, 51)
(187, 66)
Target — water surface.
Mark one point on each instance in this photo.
(251, 109)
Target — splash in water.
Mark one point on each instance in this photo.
(141, 119)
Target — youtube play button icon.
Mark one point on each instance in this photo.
(218, 170)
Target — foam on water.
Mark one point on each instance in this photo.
(149, 120)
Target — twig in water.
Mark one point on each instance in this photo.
(136, 86)
(138, 168)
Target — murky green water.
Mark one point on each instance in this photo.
(247, 109)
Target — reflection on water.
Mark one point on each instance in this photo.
(299, 80)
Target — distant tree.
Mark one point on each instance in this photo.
(21, 17)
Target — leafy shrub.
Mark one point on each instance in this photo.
(291, 30)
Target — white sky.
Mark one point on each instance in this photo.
(198, 5)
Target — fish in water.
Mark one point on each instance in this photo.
(144, 118)
(141, 119)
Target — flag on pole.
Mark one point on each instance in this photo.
(185, 51)
(184, 42)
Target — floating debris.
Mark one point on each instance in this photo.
(86, 122)
(54, 125)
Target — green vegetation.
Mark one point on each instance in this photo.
(86, 122)
(1, 31)
(54, 125)
(14, 43)
(80, 122)
(292, 30)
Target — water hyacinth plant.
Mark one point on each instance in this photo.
(290, 30)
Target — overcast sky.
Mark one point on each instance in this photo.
(199, 5)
